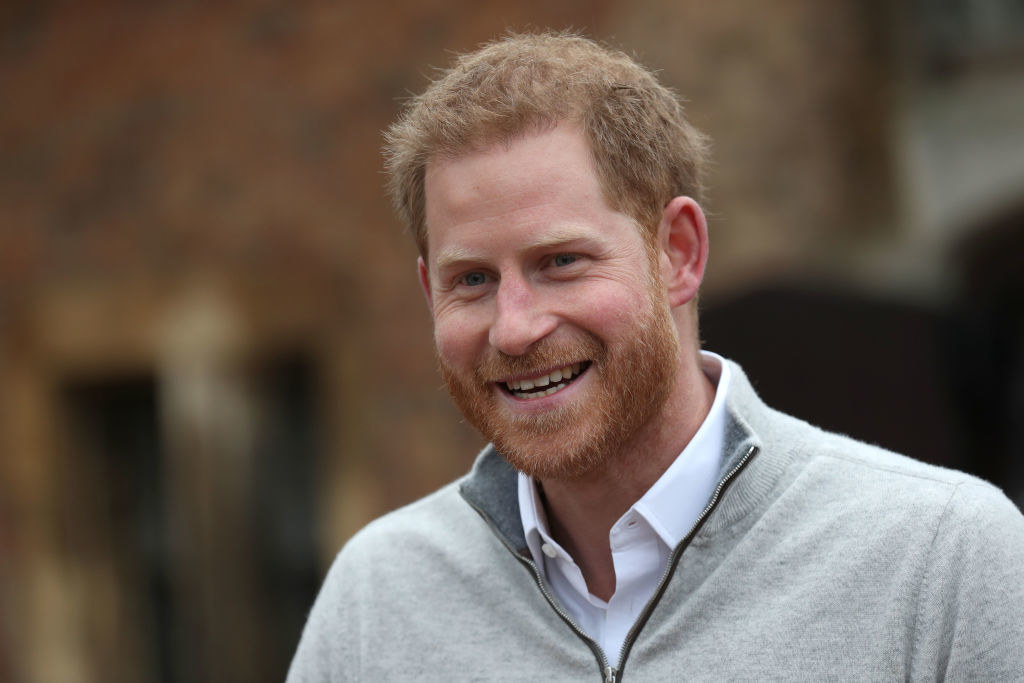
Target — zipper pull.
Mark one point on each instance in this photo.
(609, 674)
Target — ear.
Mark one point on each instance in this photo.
(425, 282)
(683, 241)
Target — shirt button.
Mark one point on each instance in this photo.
(549, 550)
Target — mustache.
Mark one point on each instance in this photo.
(544, 356)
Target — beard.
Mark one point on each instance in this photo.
(633, 379)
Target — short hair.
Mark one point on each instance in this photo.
(644, 149)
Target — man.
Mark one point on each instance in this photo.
(640, 513)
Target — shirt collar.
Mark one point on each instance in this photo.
(676, 500)
(672, 505)
(535, 520)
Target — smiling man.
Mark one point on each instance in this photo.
(640, 512)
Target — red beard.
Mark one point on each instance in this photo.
(634, 378)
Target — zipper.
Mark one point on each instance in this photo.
(673, 561)
(609, 673)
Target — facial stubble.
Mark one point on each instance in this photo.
(632, 380)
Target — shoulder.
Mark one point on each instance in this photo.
(841, 469)
(423, 521)
(865, 470)
(850, 469)
(430, 536)
(421, 592)
(417, 528)
(439, 539)
(844, 484)
(388, 581)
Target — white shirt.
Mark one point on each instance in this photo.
(642, 538)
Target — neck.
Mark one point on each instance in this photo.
(582, 511)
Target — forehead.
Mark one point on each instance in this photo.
(547, 175)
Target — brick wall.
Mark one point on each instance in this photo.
(160, 156)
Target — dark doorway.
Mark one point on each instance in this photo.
(989, 345)
(945, 386)
(113, 525)
(872, 368)
(137, 602)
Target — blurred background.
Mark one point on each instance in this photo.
(215, 360)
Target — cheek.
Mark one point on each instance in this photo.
(606, 309)
(457, 339)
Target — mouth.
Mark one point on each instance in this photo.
(547, 384)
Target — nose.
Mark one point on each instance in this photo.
(521, 318)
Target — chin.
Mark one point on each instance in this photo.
(571, 459)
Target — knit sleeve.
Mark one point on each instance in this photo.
(970, 618)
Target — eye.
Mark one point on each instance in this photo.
(474, 279)
(562, 260)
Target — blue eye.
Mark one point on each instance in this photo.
(564, 259)
(474, 279)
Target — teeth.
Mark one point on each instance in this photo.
(519, 387)
(538, 394)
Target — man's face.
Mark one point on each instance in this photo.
(552, 331)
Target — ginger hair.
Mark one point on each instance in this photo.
(645, 151)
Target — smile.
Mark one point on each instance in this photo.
(545, 385)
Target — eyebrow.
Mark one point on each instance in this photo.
(452, 256)
(557, 238)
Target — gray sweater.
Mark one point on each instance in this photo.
(819, 558)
